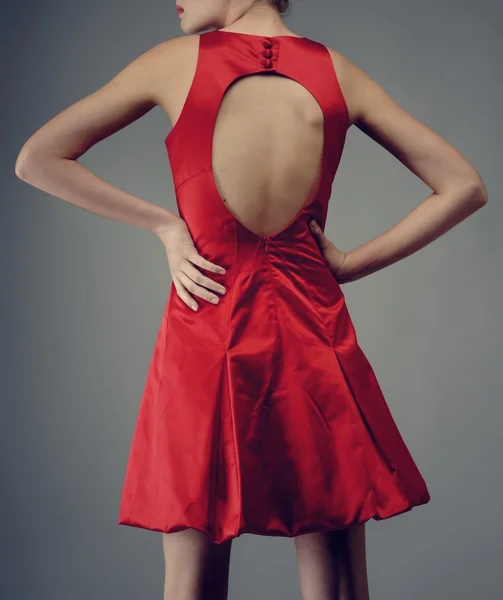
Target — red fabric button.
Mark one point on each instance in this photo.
(267, 53)
(267, 43)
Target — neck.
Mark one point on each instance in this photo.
(261, 18)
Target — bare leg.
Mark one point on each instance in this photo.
(195, 567)
(332, 565)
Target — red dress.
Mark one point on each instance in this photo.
(261, 414)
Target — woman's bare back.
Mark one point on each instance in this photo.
(267, 144)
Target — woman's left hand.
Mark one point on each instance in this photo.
(334, 257)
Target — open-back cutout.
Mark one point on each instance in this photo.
(267, 151)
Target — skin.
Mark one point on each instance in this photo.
(330, 564)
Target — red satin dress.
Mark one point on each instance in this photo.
(261, 414)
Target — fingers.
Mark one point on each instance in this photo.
(315, 228)
(193, 255)
(189, 280)
(194, 286)
(184, 295)
(321, 239)
(200, 279)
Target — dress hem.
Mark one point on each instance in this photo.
(129, 522)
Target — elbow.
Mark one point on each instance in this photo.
(474, 192)
(483, 197)
(31, 156)
(24, 164)
(20, 168)
(479, 193)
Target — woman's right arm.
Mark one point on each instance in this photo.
(457, 187)
(49, 158)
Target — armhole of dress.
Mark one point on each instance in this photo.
(342, 100)
(189, 93)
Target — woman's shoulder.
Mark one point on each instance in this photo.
(170, 59)
(173, 47)
(344, 69)
(342, 64)
(358, 86)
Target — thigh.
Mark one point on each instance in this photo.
(332, 564)
(195, 567)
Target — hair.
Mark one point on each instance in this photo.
(281, 5)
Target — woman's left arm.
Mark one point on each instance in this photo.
(458, 190)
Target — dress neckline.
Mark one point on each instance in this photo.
(257, 35)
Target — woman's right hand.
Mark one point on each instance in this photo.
(182, 256)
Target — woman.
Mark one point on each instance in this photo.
(262, 209)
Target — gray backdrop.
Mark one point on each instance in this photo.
(84, 296)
